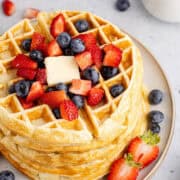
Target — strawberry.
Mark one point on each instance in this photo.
(84, 60)
(23, 61)
(53, 98)
(68, 110)
(144, 148)
(25, 104)
(8, 7)
(95, 96)
(38, 41)
(41, 76)
(57, 25)
(124, 169)
(26, 73)
(36, 91)
(31, 13)
(80, 87)
(113, 55)
(53, 49)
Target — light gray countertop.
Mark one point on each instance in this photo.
(162, 39)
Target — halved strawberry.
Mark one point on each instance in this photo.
(53, 49)
(113, 55)
(38, 41)
(41, 76)
(124, 169)
(53, 98)
(8, 7)
(144, 148)
(36, 91)
(57, 25)
(25, 104)
(31, 13)
(84, 60)
(26, 73)
(68, 110)
(80, 87)
(23, 61)
(95, 96)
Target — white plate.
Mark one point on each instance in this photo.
(154, 78)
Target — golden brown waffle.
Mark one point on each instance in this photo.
(43, 147)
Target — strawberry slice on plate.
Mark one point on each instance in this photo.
(8, 7)
(53, 49)
(144, 148)
(38, 41)
(26, 73)
(124, 169)
(25, 104)
(57, 25)
(31, 13)
(23, 61)
(41, 76)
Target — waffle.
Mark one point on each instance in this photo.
(41, 146)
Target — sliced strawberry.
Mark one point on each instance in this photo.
(80, 87)
(53, 49)
(124, 169)
(8, 7)
(38, 41)
(23, 61)
(25, 104)
(26, 73)
(95, 96)
(41, 76)
(31, 13)
(68, 110)
(84, 60)
(144, 148)
(57, 25)
(53, 98)
(36, 91)
(113, 56)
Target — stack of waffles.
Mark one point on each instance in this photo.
(41, 146)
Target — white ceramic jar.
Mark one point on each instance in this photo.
(167, 10)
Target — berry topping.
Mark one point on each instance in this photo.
(77, 46)
(26, 73)
(53, 98)
(68, 110)
(25, 104)
(155, 97)
(64, 40)
(91, 74)
(56, 113)
(23, 61)
(36, 56)
(62, 86)
(38, 41)
(84, 60)
(31, 13)
(122, 5)
(7, 175)
(12, 89)
(95, 96)
(49, 89)
(113, 55)
(144, 148)
(82, 25)
(41, 76)
(8, 7)
(80, 87)
(68, 52)
(109, 72)
(155, 117)
(155, 128)
(26, 44)
(57, 25)
(78, 101)
(53, 49)
(22, 88)
(116, 90)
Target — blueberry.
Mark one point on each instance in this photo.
(26, 44)
(12, 89)
(91, 74)
(108, 71)
(41, 64)
(62, 86)
(6, 175)
(56, 113)
(116, 90)
(155, 97)
(78, 101)
(77, 46)
(155, 128)
(82, 25)
(36, 56)
(68, 52)
(155, 117)
(22, 88)
(122, 5)
(49, 89)
(64, 40)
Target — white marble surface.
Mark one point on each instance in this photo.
(162, 39)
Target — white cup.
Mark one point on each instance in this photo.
(167, 10)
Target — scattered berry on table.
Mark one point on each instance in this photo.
(64, 40)
(156, 117)
(122, 5)
(8, 7)
(78, 101)
(82, 25)
(36, 56)
(77, 46)
(26, 44)
(7, 175)
(109, 72)
(56, 113)
(155, 97)
(31, 13)
(155, 128)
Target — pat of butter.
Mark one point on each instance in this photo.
(61, 69)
